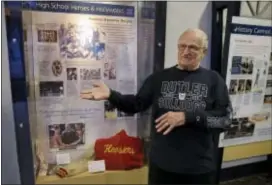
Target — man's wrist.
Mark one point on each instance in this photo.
(180, 118)
(189, 117)
(112, 95)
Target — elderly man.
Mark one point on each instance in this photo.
(189, 103)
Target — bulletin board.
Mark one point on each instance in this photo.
(221, 37)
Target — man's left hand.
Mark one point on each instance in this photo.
(168, 121)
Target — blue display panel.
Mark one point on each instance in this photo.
(14, 28)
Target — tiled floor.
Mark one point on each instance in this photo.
(263, 179)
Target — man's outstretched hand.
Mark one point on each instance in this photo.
(100, 91)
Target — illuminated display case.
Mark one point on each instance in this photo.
(58, 50)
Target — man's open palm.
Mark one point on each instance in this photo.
(100, 91)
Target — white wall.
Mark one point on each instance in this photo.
(265, 9)
(182, 15)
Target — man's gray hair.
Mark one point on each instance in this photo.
(201, 34)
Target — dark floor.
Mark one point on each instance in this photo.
(262, 179)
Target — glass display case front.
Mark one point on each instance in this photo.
(67, 47)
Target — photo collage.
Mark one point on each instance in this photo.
(76, 43)
(250, 68)
(81, 42)
(71, 53)
(242, 67)
(248, 73)
(240, 86)
(247, 82)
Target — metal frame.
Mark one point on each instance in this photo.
(160, 30)
(219, 59)
(10, 173)
(19, 95)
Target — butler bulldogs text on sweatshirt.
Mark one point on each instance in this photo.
(203, 96)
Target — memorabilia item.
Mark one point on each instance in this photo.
(76, 167)
(120, 152)
(261, 116)
(41, 164)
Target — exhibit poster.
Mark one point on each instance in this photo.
(249, 81)
(75, 44)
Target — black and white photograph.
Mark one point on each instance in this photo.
(233, 88)
(110, 70)
(51, 89)
(57, 68)
(241, 86)
(268, 83)
(66, 136)
(247, 65)
(248, 85)
(71, 73)
(47, 36)
(90, 74)
(242, 65)
(270, 70)
(240, 127)
(266, 68)
(110, 111)
(81, 41)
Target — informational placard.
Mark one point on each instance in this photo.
(249, 81)
(75, 44)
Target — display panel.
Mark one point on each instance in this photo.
(249, 81)
(67, 47)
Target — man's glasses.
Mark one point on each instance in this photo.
(192, 48)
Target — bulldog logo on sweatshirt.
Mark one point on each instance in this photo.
(182, 96)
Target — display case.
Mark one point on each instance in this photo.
(57, 50)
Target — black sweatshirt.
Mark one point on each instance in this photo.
(203, 96)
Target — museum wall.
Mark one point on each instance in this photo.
(181, 16)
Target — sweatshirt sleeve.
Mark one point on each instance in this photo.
(134, 103)
(220, 116)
